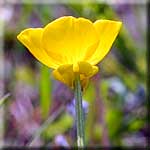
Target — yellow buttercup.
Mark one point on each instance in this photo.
(71, 46)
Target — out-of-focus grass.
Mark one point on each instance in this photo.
(60, 126)
(45, 91)
(2, 100)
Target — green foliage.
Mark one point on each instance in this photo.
(136, 125)
(114, 121)
(89, 93)
(97, 132)
(61, 125)
(24, 74)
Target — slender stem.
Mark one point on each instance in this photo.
(45, 125)
(79, 113)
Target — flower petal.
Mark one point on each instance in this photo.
(67, 39)
(31, 38)
(66, 75)
(87, 69)
(107, 31)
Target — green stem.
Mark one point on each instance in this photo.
(79, 113)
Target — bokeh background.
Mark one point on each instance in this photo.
(38, 110)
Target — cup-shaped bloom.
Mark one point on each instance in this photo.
(71, 46)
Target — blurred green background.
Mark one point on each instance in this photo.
(40, 110)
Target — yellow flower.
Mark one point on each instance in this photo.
(71, 46)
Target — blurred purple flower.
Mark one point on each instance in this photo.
(21, 109)
(6, 13)
(23, 113)
(62, 11)
(134, 140)
(128, 18)
(115, 85)
(133, 100)
(35, 20)
(140, 93)
(62, 95)
(60, 140)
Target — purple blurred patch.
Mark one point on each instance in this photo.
(71, 107)
(60, 140)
